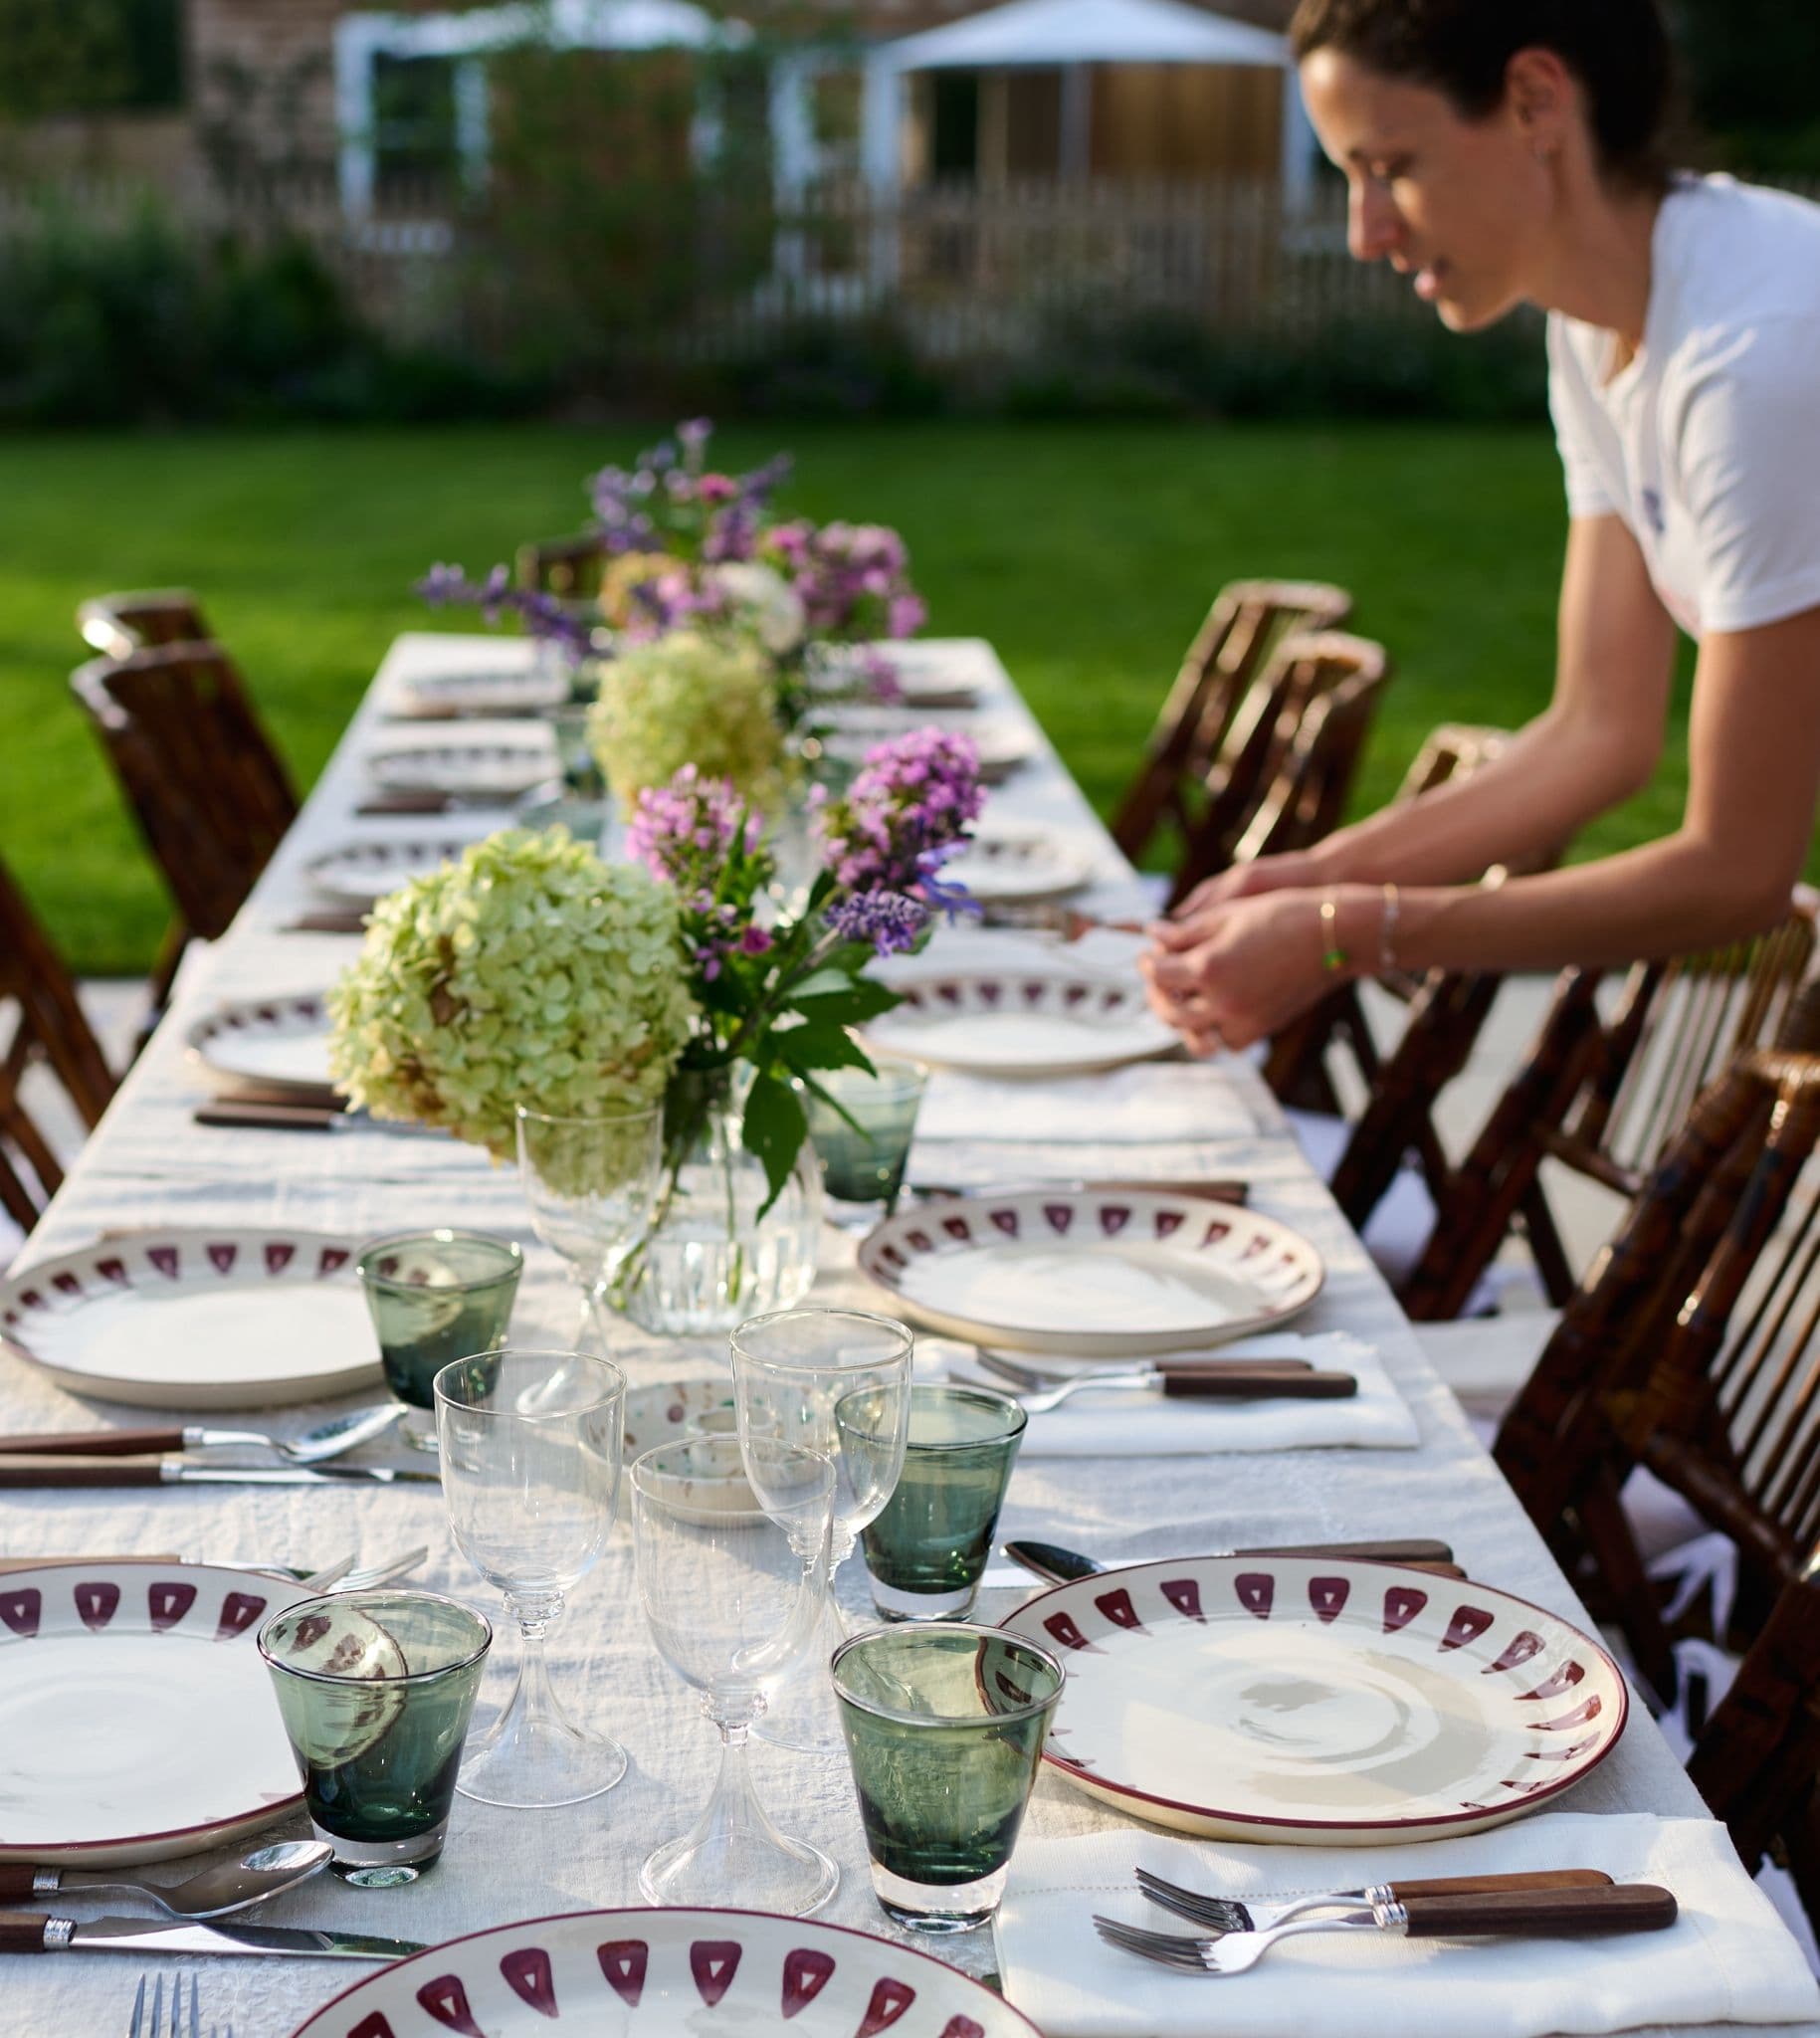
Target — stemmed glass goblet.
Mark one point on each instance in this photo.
(590, 1183)
(531, 1454)
(792, 1370)
(733, 1583)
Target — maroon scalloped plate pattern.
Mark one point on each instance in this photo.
(139, 1720)
(1319, 1699)
(477, 771)
(669, 1974)
(1091, 1274)
(196, 1318)
(1036, 1023)
(275, 1043)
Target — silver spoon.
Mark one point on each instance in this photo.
(214, 1893)
(326, 1440)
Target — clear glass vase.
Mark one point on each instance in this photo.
(710, 1260)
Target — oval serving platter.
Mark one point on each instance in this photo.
(196, 1318)
(1090, 1272)
(1320, 1701)
(639, 1973)
(1033, 1024)
(138, 1719)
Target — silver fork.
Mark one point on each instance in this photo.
(1039, 1400)
(1230, 1953)
(383, 1572)
(178, 2026)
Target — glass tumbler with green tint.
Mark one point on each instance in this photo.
(375, 1690)
(926, 1551)
(436, 1297)
(945, 1727)
(863, 1154)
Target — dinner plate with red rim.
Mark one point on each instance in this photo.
(196, 1318)
(139, 1720)
(280, 1043)
(1033, 1023)
(694, 1973)
(1091, 1273)
(479, 770)
(1318, 1700)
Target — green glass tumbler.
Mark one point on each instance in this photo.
(376, 1690)
(863, 1162)
(927, 1552)
(436, 1297)
(945, 1727)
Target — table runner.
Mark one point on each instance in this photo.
(147, 1163)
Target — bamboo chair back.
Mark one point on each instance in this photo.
(1603, 1095)
(46, 1026)
(117, 625)
(209, 792)
(1691, 1348)
(1234, 644)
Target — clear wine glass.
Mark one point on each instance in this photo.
(531, 1455)
(590, 1183)
(791, 1371)
(733, 1590)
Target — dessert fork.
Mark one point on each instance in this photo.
(179, 2026)
(1528, 1913)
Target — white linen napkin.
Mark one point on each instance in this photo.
(1134, 1425)
(1143, 1103)
(1728, 1959)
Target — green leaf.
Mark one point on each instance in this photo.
(856, 1001)
(817, 1046)
(775, 1129)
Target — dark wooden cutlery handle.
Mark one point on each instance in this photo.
(271, 1118)
(1242, 1383)
(1409, 1550)
(1625, 1907)
(16, 1878)
(1479, 1885)
(55, 1471)
(405, 804)
(22, 1932)
(328, 924)
(92, 1443)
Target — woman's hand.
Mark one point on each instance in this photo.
(1250, 968)
(1291, 872)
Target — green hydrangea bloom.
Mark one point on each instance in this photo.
(689, 698)
(529, 973)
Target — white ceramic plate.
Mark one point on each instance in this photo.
(1003, 743)
(482, 692)
(669, 1974)
(1320, 1701)
(1022, 866)
(361, 872)
(1091, 1273)
(669, 1412)
(496, 770)
(1039, 1023)
(136, 1714)
(196, 1318)
(274, 1043)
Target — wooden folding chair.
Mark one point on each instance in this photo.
(566, 567)
(1690, 1349)
(210, 794)
(1756, 1759)
(47, 1028)
(1601, 1096)
(117, 625)
(1247, 621)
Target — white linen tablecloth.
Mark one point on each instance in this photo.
(149, 1165)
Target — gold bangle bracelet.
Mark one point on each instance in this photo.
(1334, 958)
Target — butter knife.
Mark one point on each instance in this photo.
(21, 1469)
(29, 1931)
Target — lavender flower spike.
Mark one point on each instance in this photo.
(890, 921)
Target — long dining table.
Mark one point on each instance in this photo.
(149, 1164)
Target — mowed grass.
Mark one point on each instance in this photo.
(1087, 553)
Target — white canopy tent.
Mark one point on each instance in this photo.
(467, 39)
(1066, 34)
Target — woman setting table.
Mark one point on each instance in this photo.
(1511, 154)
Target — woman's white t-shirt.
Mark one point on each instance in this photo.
(1707, 442)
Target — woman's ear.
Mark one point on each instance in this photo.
(1542, 99)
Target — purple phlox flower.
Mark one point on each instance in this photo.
(683, 831)
(443, 584)
(717, 488)
(905, 615)
(879, 675)
(912, 800)
(755, 941)
(890, 921)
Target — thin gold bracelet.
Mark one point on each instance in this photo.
(1334, 958)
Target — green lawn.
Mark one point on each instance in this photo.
(1086, 554)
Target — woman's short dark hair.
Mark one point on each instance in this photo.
(1618, 50)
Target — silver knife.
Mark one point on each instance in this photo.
(19, 1470)
(28, 1932)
